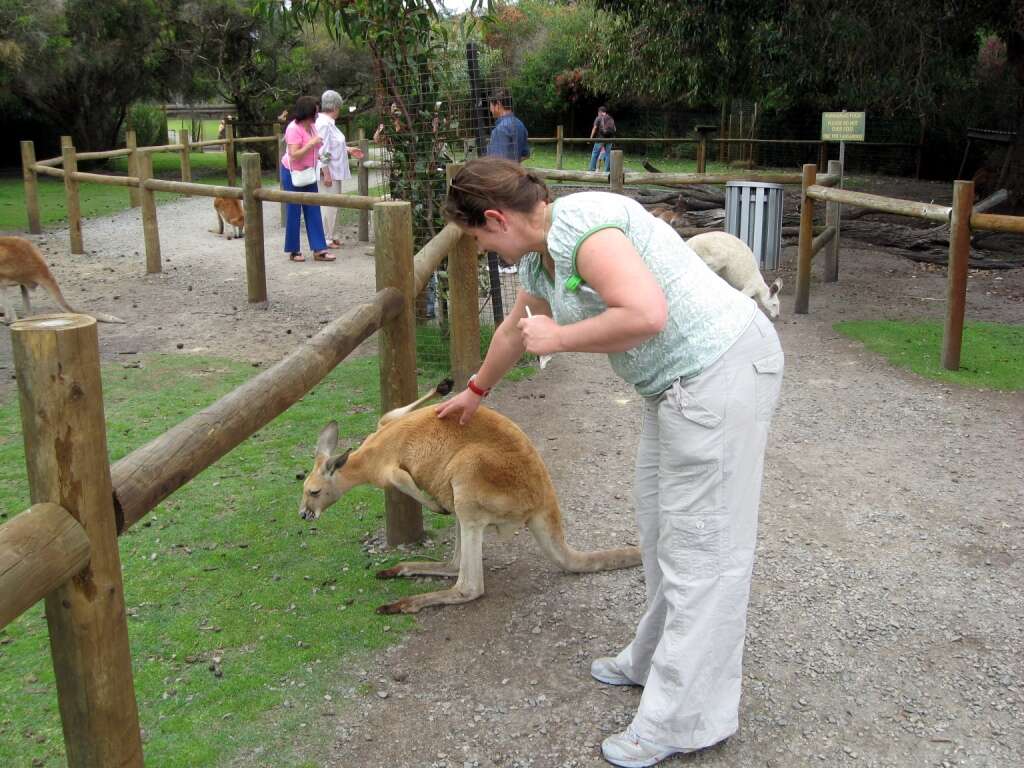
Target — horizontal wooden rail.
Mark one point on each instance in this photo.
(556, 175)
(254, 139)
(188, 188)
(51, 162)
(929, 211)
(828, 179)
(46, 170)
(997, 222)
(822, 239)
(100, 178)
(157, 149)
(428, 258)
(372, 165)
(153, 472)
(674, 179)
(102, 155)
(40, 549)
(207, 143)
(359, 202)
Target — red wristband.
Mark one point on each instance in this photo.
(476, 390)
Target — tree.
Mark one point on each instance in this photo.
(79, 65)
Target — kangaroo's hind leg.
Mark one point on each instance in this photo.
(427, 567)
(470, 584)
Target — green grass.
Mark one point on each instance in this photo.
(210, 127)
(992, 354)
(577, 158)
(226, 568)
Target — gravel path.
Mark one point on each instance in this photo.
(885, 625)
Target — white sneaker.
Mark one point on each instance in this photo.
(605, 670)
(628, 750)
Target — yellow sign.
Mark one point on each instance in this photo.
(842, 126)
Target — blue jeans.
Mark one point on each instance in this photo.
(607, 155)
(314, 221)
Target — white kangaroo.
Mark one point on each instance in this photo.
(487, 472)
(735, 263)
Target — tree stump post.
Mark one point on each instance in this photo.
(57, 362)
(70, 163)
(392, 225)
(559, 146)
(616, 176)
(255, 252)
(956, 287)
(830, 258)
(186, 155)
(805, 250)
(31, 180)
(229, 151)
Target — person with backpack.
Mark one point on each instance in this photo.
(604, 128)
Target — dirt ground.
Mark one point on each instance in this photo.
(885, 624)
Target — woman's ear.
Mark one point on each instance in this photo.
(498, 218)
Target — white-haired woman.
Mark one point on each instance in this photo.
(332, 163)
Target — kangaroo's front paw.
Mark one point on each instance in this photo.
(390, 573)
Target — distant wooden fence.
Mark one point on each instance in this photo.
(961, 217)
(141, 186)
(64, 548)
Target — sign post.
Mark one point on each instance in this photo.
(843, 127)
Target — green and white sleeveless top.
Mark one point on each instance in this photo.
(705, 314)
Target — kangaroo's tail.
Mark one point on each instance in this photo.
(440, 390)
(547, 530)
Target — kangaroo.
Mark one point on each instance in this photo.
(229, 211)
(21, 263)
(487, 472)
(734, 262)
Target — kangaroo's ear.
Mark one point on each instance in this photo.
(328, 440)
(775, 287)
(336, 462)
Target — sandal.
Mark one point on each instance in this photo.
(323, 256)
(296, 257)
(334, 245)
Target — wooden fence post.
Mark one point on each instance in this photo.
(464, 303)
(131, 142)
(956, 286)
(280, 153)
(830, 258)
(616, 177)
(804, 250)
(31, 179)
(58, 371)
(364, 189)
(70, 163)
(822, 156)
(392, 226)
(229, 151)
(255, 253)
(559, 146)
(702, 152)
(186, 155)
(150, 228)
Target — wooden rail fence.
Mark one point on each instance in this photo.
(64, 548)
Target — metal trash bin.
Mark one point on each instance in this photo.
(753, 212)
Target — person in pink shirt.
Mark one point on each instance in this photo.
(302, 141)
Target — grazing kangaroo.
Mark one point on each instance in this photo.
(487, 472)
(735, 263)
(22, 264)
(229, 211)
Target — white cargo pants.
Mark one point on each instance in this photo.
(698, 484)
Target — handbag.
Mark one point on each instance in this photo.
(304, 178)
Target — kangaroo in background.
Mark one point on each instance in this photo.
(735, 263)
(229, 211)
(487, 472)
(22, 264)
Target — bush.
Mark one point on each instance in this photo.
(149, 123)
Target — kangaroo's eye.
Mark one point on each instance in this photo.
(315, 493)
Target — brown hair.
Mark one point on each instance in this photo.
(492, 182)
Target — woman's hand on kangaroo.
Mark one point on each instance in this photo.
(462, 406)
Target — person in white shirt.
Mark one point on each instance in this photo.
(332, 161)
